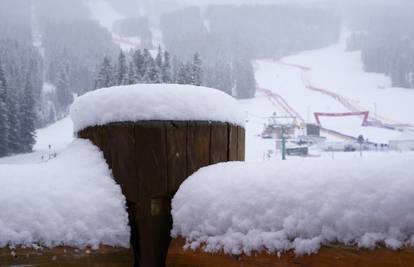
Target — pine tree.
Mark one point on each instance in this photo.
(27, 119)
(158, 58)
(223, 77)
(122, 72)
(166, 73)
(245, 82)
(175, 69)
(132, 74)
(153, 73)
(63, 92)
(13, 118)
(4, 123)
(196, 70)
(139, 63)
(105, 75)
(184, 74)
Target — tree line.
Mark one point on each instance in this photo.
(230, 37)
(140, 66)
(385, 37)
(17, 116)
(236, 79)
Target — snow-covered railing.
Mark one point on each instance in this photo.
(155, 102)
(153, 137)
(298, 206)
(67, 211)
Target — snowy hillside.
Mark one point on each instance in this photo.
(328, 80)
(57, 135)
(107, 16)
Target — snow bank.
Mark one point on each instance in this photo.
(298, 205)
(71, 200)
(154, 102)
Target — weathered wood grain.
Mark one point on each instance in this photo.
(219, 143)
(240, 145)
(198, 146)
(150, 160)
(119, 148)
(233, 143)
(176, 133)
(67, 257)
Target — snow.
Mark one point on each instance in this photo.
(107, 16)
(71, 200)
(299, 204)
(338, 71)
(57, 135)
(406, 136)
(352, 126)
(143, 102)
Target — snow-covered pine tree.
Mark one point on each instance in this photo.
(27, 119)
(184, 73)
(159, 58)
(175, 68)
(13, 118)
(139, 64)
(131, 74)
(105, 75)
(223, 77)
(122, 69)
(63, 92)
(196, 70)
(4, 123)
(245, 82)
(166, 73)
(152, 72)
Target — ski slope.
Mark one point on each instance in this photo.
(57, 135)
(107, 16)
(328, 80)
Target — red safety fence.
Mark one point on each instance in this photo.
(365, 115)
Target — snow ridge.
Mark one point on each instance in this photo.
(298, 205)
(143, 102)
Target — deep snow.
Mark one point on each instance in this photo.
(299, 204)
(71, 200)
(142, 102)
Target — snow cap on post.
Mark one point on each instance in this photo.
(144, 102)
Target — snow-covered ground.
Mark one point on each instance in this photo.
(335, 70)
(57, 135)
(299, 204)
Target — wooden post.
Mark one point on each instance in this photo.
(150, 160)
